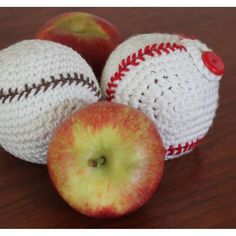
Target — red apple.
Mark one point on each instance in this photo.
(106, 160)
(93, 37)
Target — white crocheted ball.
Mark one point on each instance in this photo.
(172, 79)
(41, 83)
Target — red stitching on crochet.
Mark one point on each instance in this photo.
(135, 59)
(181, 149)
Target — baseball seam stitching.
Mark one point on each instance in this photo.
(44, 85)
(135, 59)
(181, 148)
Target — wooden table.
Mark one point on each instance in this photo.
(198, 190)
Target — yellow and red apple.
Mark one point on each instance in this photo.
(106, 160)
(93, 37)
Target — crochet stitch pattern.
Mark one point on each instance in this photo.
(41, 84)
(45, 85)
(164, 76)
(135, 60)
(181, 148)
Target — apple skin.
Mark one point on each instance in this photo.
(128, 175)
(93, 37)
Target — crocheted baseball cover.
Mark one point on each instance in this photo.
(171, 78)
(41, 83)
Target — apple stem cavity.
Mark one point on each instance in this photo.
(97, 162)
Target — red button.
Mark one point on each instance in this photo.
(213, 62)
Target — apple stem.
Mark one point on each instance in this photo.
(97, 162)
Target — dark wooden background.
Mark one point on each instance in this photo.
(197, 191)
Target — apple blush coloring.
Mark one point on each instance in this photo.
(93, 37)
(106, 160)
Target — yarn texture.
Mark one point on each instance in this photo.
(41, 83)
(164, 76)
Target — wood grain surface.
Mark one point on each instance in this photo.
(197, 191)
